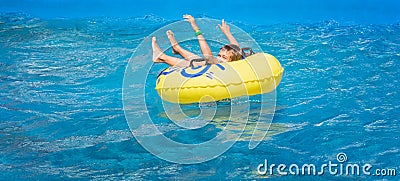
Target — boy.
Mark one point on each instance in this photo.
(227, 53)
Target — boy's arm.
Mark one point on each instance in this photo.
(226, 30)
(205, 49)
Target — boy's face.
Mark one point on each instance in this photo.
(224, 55)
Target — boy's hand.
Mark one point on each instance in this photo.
(224, 27)
(190, 19)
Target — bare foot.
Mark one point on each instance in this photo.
(157, 53)
(173, 41)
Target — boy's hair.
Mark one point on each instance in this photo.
(233, 51)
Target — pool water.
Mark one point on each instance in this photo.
(62, 114)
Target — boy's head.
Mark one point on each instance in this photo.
(230, 53)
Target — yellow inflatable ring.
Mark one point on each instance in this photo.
(257, 74)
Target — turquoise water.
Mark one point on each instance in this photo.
(62, 116)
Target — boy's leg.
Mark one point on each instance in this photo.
(159, 56)
(176, 48)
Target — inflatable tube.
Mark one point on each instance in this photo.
(257, 74)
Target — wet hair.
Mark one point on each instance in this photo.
(233, 51)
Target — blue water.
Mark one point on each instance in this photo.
(62, 116)
(255, 12)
